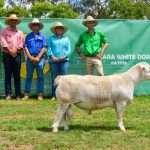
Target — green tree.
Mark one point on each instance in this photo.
(20, 12)
(28, 3)
(36, 1)
(1, 3)
(121, 9)
(41, 9)
(127, 9)
(142, 10)
(95, 8)
(3, 12)
(63, 10)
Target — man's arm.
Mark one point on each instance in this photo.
(5, 45)
(31, 58)
(20, 42)
(79, 42)
(42, 52)
(67, 51)
(102, 50)
(80, 53)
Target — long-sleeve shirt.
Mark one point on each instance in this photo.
(35, 43)
(58, 47)
(11, 38)
(92, 42)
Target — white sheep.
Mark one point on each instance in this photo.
(94, 92)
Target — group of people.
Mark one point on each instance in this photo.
(57, 47)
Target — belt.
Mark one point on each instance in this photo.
(34, 56)
(5, 51)
(90, 55)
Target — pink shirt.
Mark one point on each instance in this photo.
(12, 38)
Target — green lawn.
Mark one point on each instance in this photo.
(26, 125)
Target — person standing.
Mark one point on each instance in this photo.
(35, 47)
(94, 43)
(59, 49)
(12, 45)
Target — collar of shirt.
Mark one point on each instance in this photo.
(37, 36)
(11, 29)
(94, 31)
(58, 37)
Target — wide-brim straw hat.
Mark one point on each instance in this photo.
(35, 21)
(89, 19)
(12, 17)
(58, 24)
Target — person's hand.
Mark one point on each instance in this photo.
(36, 60)
(100, 55)
(31, 58)
(13, 52)
(83, 57)
(55, 59)
(62, 58)
(19, 49)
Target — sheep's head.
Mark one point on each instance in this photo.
(145, 68)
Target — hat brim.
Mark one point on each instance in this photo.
(95, 22)
(7, 21)
(54, 31)
(30, 25)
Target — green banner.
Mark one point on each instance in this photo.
(128, 45)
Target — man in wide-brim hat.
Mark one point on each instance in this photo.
(12, 17)
(58, 25)
(35, 48)
(34, 22)
(95, 43)
(90, 19)
(12, 45)
(59, 49)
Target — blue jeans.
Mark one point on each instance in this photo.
(30, 69)
(12, 67)
(58, 68)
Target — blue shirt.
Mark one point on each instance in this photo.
(35, 43)
(58, 47)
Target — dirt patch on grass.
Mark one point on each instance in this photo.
(14, 117)
(21, 147)
(18, 117)
(5, 142)
(9, 145)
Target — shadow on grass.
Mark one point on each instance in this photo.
(85, 128)
(44, 129)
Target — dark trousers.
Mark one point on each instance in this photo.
(12, 66)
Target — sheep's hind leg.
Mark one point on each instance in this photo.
(59, 116)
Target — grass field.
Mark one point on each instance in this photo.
(26, 125)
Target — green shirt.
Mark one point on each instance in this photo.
(92, 43)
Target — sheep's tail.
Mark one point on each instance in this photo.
(57, 80)
(69, 112)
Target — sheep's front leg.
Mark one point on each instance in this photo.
(64, 123)
(119, 110)
(59, 116)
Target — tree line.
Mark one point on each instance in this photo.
(100, 9)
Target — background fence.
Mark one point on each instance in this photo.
(129, 43)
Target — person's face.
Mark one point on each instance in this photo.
(35, 27)
(59, 30)
(12, 23)
(90, 24)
